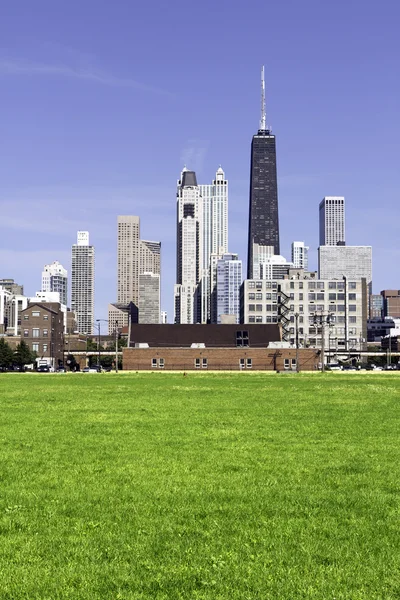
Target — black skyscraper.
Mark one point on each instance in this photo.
(263, 208)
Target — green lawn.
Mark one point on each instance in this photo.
(227, 486)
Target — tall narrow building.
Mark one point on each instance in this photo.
(82, 283)
(331, 221)
(128, 258)
(263, 206)
(189, 212)
(300, 255)
(214, 235)
(55, 279)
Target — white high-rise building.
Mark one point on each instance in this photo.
(82, 283)
(300, 255)
(55, 279)
(267, 265)
(353, 262)
(189, 249)
(214, 234)
(128, 256)
(331, 221)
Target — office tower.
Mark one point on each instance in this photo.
(229, 280)
(55, 279)
(331, 221)
(149, 298)
(263, 206)
(376, 306)
(352, 262)
(214, 234)
(300, 255)
(267, 265)
(128, 259)
(391, 303)
(150, 257)
(82, 283)
(12, 287)
(189, 249)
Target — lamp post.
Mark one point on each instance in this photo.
(322, 320)
(296, 316)
(98, 321)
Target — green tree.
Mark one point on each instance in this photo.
(91, 345)
(6, 354)
(23, 356)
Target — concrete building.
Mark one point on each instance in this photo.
(55, 279)
(43, 330)
(266, 301)
(82, 283)
(149, 298)
(227, 292)
(12, 287)
(121, 313)
(332, 221)
(353, 262)
(150, 257)
(379, 327)
(187, 292)
(214, 234)
(300, 255)
(391, 303)
(54, 297)
(128, 258)
(11, 307)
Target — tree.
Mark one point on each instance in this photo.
(6, 354)
(91, 346)
(23, 356)
(71, 362)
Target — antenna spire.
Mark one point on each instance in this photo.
(263, 120)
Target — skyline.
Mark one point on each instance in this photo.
(76, 155)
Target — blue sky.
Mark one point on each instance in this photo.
(103, 102)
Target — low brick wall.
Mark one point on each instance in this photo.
(218, 359)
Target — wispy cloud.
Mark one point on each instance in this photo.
(194, 153)
(89, 74)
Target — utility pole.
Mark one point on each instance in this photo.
(98, 345)
(323, 343)
(116, 346)
(296, 316)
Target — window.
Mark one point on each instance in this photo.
(26, 317)
(242, 338)
(252, 296)
(249, 363)
(301, 319)
(352, 319)
(320, 296)
(251, 285)
(268, 285)
(340, 308)
(300, 285)
(352, 285)
(252, 307)
(35, 313)
(301, 296)
(252, 319)
(197, 363)
(311, 297)
(332, 296)
(35, 347)
(292, 285)
(259, 285)
(26, 332)
(311, 285)
(161, 363)
(35, 332)
(291, 296)
(241, 363)
(293, 363)
(268, 296)
(45, 332)
(352, 307)
(259, 307)
(301, 308)
(46, 317)
(352, 296)
(320, 285)
(259, 296)
(205, 363)
(320, 307)
(341, 296)
(44, 347)
(259, 319)
(286, 363)
(154, 363)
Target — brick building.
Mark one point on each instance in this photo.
(42, 328)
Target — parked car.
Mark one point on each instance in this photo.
(334, 367)
(43, 369)
(94, 369)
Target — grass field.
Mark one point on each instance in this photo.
(225, 486)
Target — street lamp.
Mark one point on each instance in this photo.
(322, 320)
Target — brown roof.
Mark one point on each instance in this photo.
(212, 336)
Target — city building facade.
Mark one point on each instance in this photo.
(149, 298)
(55, 279)
(128, 258)
(300, 255)
(312, 300)
(42, 329)
(229, 280)
(12, 287)
(332, 221)
(376, 306)
(263, 202)
(187, 292)
(391, 303)
(82, 283)
(353, 262)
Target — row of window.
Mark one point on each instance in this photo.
(36, 347)
(36, 313)
(36, 333)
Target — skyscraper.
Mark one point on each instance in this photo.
(300, 255)
(82, 283)
(331, 221)
(263, 206)
(128, 259)
(214, 234)
(149, 298)
(229, 280)
(189, 249)
(55, 279)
